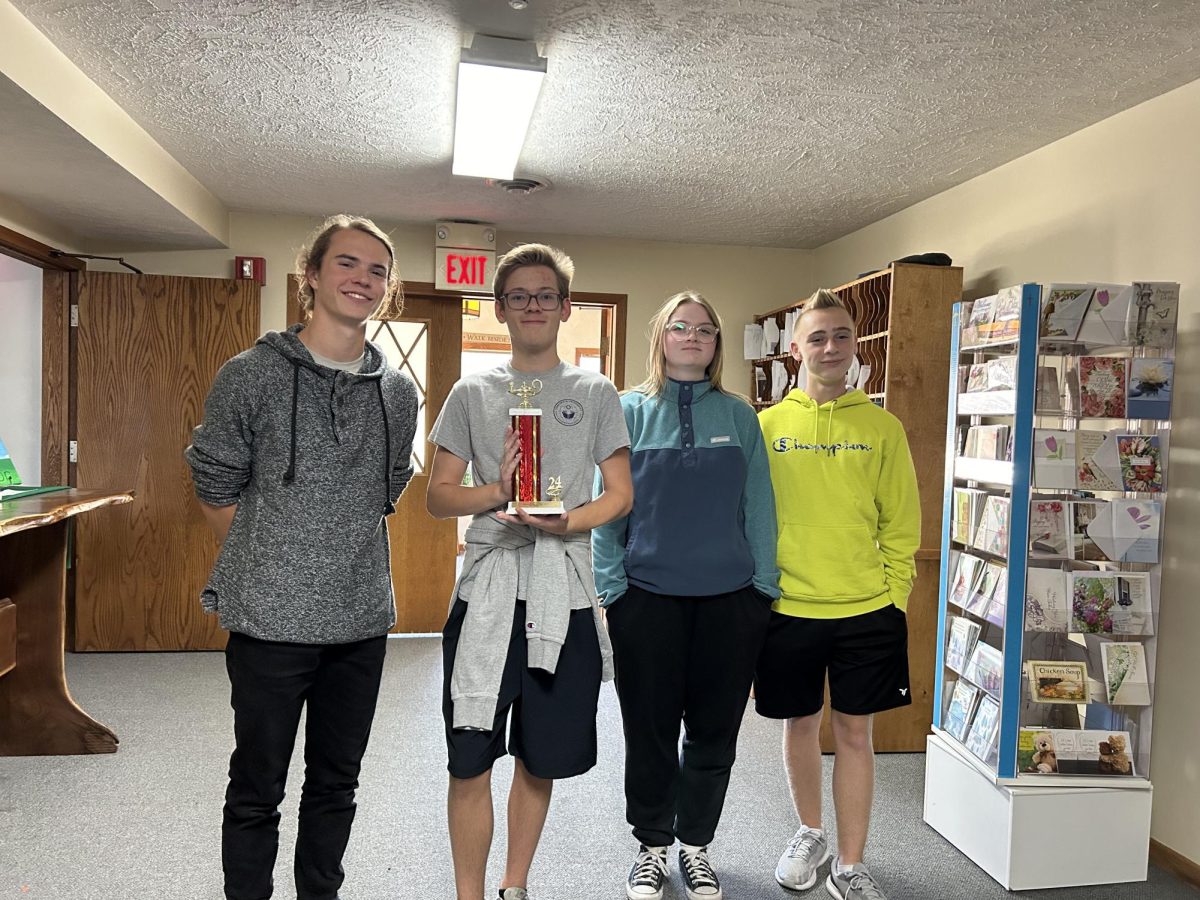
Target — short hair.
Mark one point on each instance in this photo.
(312, 255)
(524, 255)
(823, 298)
(656, 362)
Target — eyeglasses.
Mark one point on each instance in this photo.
(518, 300)
(705, 334)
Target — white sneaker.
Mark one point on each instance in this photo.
(806, 852)
(647, 875)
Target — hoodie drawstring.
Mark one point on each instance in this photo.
(388, 506)
(816, 435)
(290, 475)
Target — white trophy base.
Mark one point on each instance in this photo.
(538, 508)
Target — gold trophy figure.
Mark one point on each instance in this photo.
(527, 479)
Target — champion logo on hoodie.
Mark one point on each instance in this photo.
(785, 444)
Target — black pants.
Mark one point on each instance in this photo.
(689, 660)
(271, 683)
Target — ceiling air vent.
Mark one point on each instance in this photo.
(519, 186)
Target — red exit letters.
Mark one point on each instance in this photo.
(466, 269)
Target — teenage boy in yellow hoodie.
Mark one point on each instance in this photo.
(849, 523)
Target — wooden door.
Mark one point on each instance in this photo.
(425, 343)
(148, 348)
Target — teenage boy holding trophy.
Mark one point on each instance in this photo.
(524, 645)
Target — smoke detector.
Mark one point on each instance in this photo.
(519, 186)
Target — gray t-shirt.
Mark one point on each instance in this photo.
(582, 425)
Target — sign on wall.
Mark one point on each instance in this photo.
(464, 257)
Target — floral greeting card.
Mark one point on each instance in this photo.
(1102, 387)
(1141, 462)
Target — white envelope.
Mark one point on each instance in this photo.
(1128, 530)
(752, 342)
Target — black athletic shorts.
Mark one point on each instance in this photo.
(866, 658)
(552, 729)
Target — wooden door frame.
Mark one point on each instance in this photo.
(60, 292)
(617, 303)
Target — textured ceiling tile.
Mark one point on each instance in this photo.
(748, 121)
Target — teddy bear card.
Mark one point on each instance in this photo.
(1054, 751)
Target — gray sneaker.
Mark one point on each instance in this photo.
(514, 893)
(805, 854)
(857, 884)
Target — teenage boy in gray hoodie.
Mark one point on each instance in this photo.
(524, 633)
(305, 445)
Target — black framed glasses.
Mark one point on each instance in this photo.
(705, 333)
(546, 300)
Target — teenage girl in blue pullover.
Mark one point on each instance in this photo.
(687, 578)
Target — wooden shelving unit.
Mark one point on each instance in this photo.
(903, 316)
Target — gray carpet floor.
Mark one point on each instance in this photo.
(144, 822)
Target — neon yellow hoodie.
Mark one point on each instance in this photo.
(846, 503)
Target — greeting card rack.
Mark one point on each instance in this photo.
(1056, 457)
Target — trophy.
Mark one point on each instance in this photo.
(527, 479)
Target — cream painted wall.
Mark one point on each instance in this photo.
(25, 221)
(741, 281)
(1116, 202)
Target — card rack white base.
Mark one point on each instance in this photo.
(1036, 837)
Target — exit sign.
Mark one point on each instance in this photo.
(468, 271)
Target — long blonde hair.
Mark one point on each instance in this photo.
(656, 362)
(312, 254)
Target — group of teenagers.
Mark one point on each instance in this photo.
(706, 553)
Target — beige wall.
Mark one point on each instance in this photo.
(1116, 202)
(741, 281)
(25, 221)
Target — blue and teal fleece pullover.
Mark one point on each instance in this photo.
(703, 520)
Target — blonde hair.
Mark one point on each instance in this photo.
(823, 298)
(524, 255)
(312, 255)
(656, 363)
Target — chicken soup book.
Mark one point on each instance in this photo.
(1057, 681)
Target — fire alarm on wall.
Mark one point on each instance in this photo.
(252, 268)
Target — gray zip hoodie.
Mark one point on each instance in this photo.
(314, 458)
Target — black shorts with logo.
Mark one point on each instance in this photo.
(865, 657)
(552, 728)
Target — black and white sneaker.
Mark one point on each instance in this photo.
(699, 879)
(646, 877)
